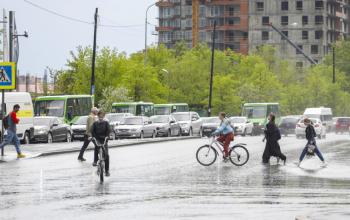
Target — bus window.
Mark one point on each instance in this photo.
(162, 111)
(49, 108)
(255, 112)
(144, 110)
(273, 109)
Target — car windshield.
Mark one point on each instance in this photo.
(182, 117)
(160, 119)
(132, 121)
(81, 121)
(344, 120)
(289, 120)
(211, 120)
(313, 116)
(113, 117)
(238, 120)
(42, 121)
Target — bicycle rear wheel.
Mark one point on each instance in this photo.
(101, 165)
(206, 155)
(239, 155)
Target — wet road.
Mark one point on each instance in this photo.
(164, 181)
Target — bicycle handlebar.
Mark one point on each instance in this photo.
(104, 143)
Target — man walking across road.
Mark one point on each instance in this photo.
(10, 123)
(87, 137)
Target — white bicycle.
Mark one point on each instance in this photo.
(207, 154)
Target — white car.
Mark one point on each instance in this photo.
(242, 125)
(320, 128)
(190, 122)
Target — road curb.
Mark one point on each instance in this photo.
(75, 150)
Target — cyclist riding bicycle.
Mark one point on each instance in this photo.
(100, 131)
(225, 133)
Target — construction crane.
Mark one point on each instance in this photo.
(195, 21)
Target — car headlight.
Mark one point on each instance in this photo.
(42, 131)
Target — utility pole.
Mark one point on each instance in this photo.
(92, 88)
(146, 32)
(212, 70)
(333, 52)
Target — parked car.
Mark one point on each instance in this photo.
(114, 120)
(210, 124)
(320, 128)
(288, 124)
(190, 122)
(79, 128)
(342, 124)
(242, 125)
(135, 127)
(166, 125)
(51, 129)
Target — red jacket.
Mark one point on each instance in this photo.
(14, 118)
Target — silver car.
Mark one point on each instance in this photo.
(190, 122)
(114, 120)
(166, 125)
(135, 127)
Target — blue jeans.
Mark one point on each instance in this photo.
(317, 151)
(11, 138)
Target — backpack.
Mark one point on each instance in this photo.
(5, 121)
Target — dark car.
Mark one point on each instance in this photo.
(342, 124)
(51, 129)
(166, 125)
(79, 128)
(210, 124)
(288, 124)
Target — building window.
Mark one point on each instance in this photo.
(284, 20)
(285, 33)
(305, 35)
(264, 35)
(284, 6)
(265, 20)
(260, 6)
(299, 64)
(297, 51)
(314, 49)
(319, 5)
(299, 5)
(318, 19)
(305, 20)
(233, 21)
(318, 35)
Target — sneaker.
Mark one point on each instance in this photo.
(108, 174)
(299, 163)
(324, 164)
(81, 159)
(20, 155)
(94, 164)
(225, 159)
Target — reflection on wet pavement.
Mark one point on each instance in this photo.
(164, 181)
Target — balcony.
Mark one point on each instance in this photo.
(165, 3)
(165, 28)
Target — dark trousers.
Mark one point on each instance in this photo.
(86, 143)
(105, 155)
(316, 150)
(272, 149)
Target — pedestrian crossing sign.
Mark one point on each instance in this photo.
(7, 75)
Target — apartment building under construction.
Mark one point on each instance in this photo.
(192, 21)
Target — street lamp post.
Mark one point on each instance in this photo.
(212, 70)
(146, 24)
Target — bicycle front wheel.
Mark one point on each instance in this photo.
(239, 155)
(206, 155)
(101, 165)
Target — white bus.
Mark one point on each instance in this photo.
(25, 128)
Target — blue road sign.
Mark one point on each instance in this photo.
(7, 75)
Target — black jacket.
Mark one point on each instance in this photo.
(310, 133)
(100, 130)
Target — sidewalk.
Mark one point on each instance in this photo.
(38, 150)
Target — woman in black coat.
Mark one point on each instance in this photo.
(272, 135)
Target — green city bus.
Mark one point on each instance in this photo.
(167, 109)
(135, 108)
(68, 107)
(257, 113)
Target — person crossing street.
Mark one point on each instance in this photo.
(87, 137)
(10, 124)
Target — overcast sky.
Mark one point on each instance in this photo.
(51, 37)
